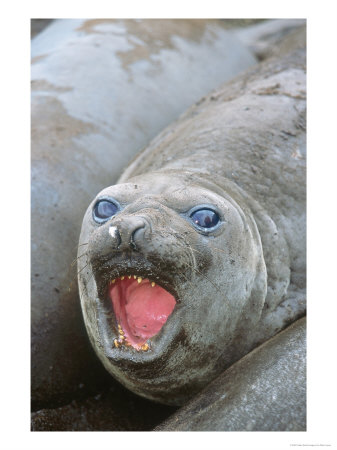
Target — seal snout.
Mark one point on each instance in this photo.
(128, 232)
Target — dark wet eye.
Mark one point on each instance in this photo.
(103, 210)
(205, 218)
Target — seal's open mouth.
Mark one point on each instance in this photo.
(141, 308)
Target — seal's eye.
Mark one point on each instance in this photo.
(205, 218)
(103, 210)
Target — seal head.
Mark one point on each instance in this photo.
(172, 277)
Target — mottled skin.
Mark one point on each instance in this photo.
(241, 150)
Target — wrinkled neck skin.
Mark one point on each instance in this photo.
(227, 283)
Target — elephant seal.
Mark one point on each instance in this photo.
(197, 255)
(92, 82)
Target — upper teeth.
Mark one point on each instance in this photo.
(139, 279)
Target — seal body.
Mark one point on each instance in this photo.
(271, 397)
(213, 212)
(101, 89)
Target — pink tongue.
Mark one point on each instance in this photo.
(147, 309)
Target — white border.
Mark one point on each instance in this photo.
(15, 230)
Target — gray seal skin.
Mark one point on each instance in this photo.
(93, 81)
(240, 155)
(264, 391)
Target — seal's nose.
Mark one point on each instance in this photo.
(126, 232)
(115, 235)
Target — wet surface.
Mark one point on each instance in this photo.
(38, 25)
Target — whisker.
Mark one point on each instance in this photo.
(75, 277)
(209, 245)
(79, 245)
(216, 248)
(71, 278)
(194, 268)
(75, 260)
(203, 275)
(190, 246)
(82, 269)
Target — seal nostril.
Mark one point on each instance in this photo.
(132, 243)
